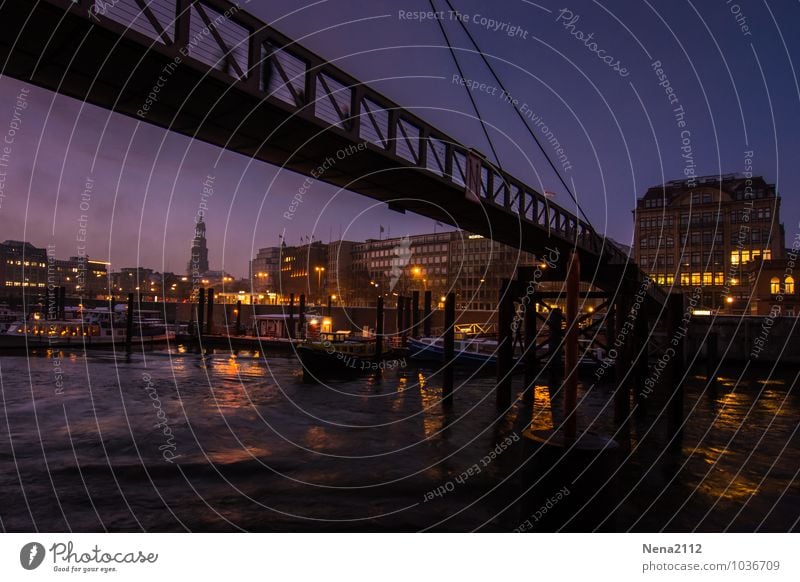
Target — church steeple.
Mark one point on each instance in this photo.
(198, 260)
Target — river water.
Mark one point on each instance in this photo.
(173, 440)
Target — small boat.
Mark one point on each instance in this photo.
(340, 354)
(470, 350)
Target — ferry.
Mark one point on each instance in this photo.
(97, 327)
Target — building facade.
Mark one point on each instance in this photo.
(469, 265)
(22, 267)
(708, 232)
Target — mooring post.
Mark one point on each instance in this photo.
(711, 358)
(571, 348)
(641, 369)
(239, 317)
(505, 349)
(531, 359)
(400, 313)
(62, 301)
(301, 320)
(426, 324)
(415, 314)
(611, 337)
(622, 366)
(379, 328)
(290, 323)
(129, 322)
(210, 312)
(201, 306)
(675, 311)
(449, 347)
(554, 366)
(330, 306)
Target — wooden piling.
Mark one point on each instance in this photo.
(622, 365)
(379, 328)
(210, 311)
(400, 313)
(415, 314)
(571, 348)
(301, 319)
(531, 360)
(674, 377)
(201, 305)
(426, 324)
(239, 317)
(641, 368)
(554, 363)
(290, 322)
(505, 350)
(449, 348)
(62, 301)
(129, 322)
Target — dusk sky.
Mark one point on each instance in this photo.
(734, 78)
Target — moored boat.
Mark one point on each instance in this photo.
(340, 354)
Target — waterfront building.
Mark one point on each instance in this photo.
(708, 232)
(22, 266)
(468, 264)
(81, 276)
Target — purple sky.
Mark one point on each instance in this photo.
(739, 92)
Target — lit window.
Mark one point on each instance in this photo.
(734, 257)
(774, 285)
(695, 278)
(719, 278)
(767, 254)
(685, 279)
(789, 281)
(745, 256)
(670, 279)
(706, 278)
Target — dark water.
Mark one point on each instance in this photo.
(255, 448)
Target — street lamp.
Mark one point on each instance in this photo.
(319, 271)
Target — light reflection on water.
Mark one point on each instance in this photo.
(350, 450)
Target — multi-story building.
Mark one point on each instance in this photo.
(303, 271)
(82, 276)
(706, 233)
(342, 279)
(22, 267)
(265, 269)
(467, 264)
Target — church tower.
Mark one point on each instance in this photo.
(198, 261)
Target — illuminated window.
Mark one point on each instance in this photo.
(745, 256)
(685, 279)
(719, 278)
(789, 281)
(695, 278)
(774, 285)
(734, 257)
(670, 279)
(706, 278)
(767, 254)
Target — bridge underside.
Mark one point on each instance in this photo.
(63, 51)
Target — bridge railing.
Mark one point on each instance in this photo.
(222, 40)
